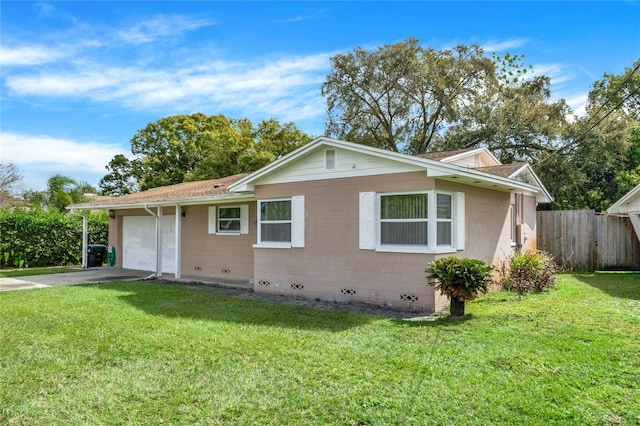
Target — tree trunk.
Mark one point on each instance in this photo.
(457, 307)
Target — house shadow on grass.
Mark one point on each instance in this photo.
(234, 306)
(624, 285)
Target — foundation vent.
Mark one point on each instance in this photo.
(297, 286)
(226, 271)
(348, 291)
(264, 283)
(409, 297)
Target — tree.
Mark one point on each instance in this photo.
(514, 117)
(599, 159)
(120, 180)
(193, 147)
(619, 92)
(10, 179)
(401, 96)
(61, 192)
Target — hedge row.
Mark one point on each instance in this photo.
(41, 238)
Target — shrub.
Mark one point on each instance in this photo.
(41, 238)
(529, 272)
(460, 279)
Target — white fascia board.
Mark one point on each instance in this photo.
(619, 207)
(164, 203)
(547, 196)
(433, 168)
(247, 183)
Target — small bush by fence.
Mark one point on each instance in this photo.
(41, 238)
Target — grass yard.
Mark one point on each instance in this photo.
(25, 272)
(140, 353)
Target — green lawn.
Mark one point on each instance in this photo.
(25, 272)
(141, 353)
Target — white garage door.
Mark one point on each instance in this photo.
(139, 243)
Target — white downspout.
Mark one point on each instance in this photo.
(85, 237)
(157, 273)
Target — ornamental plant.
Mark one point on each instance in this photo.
(460, 279)
(529, 272)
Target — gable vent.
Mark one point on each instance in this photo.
(330, 159)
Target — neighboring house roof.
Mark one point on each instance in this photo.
(307, 163)
(442, 155)
(629, 203)
(504, 170)
(186, 191)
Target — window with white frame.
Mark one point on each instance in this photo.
(229, 219)
(429, 221)
(404, 219)
(444, 219)
(281, 222)
(275, 221)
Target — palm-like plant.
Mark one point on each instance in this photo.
(461, 279)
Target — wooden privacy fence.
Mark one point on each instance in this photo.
(582, 239)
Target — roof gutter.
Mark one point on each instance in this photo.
(170, 202)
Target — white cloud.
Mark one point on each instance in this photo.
(161, 26)
(578, 103)
(41, 156)
(30, 55)
(251, 87)
(558, 72)
(499, 46)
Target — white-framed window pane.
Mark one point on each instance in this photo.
(404, 233)
(275, 210)
(405, 206)
(275, 232)
(444, 234)
(443, 204)
(229, 219)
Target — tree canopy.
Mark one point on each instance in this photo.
(194, 147)
(401, 96)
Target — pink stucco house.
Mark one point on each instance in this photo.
(332, 220)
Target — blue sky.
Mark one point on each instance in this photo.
(79, 79)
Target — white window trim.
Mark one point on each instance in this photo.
(438, 220)
(296, 222)
(432, 213)
(214, 220)
(221, 232)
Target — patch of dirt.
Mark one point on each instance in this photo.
(353, 307)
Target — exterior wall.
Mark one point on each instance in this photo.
(331, 265)
(216, 255)
(203, 254)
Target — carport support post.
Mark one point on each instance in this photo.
(178, 236)
(85, 239)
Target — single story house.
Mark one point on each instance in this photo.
(332, 220)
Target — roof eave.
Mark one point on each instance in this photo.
(185, 201)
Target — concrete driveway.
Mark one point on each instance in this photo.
(82, 276)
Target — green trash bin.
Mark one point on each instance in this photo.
(96, 254)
